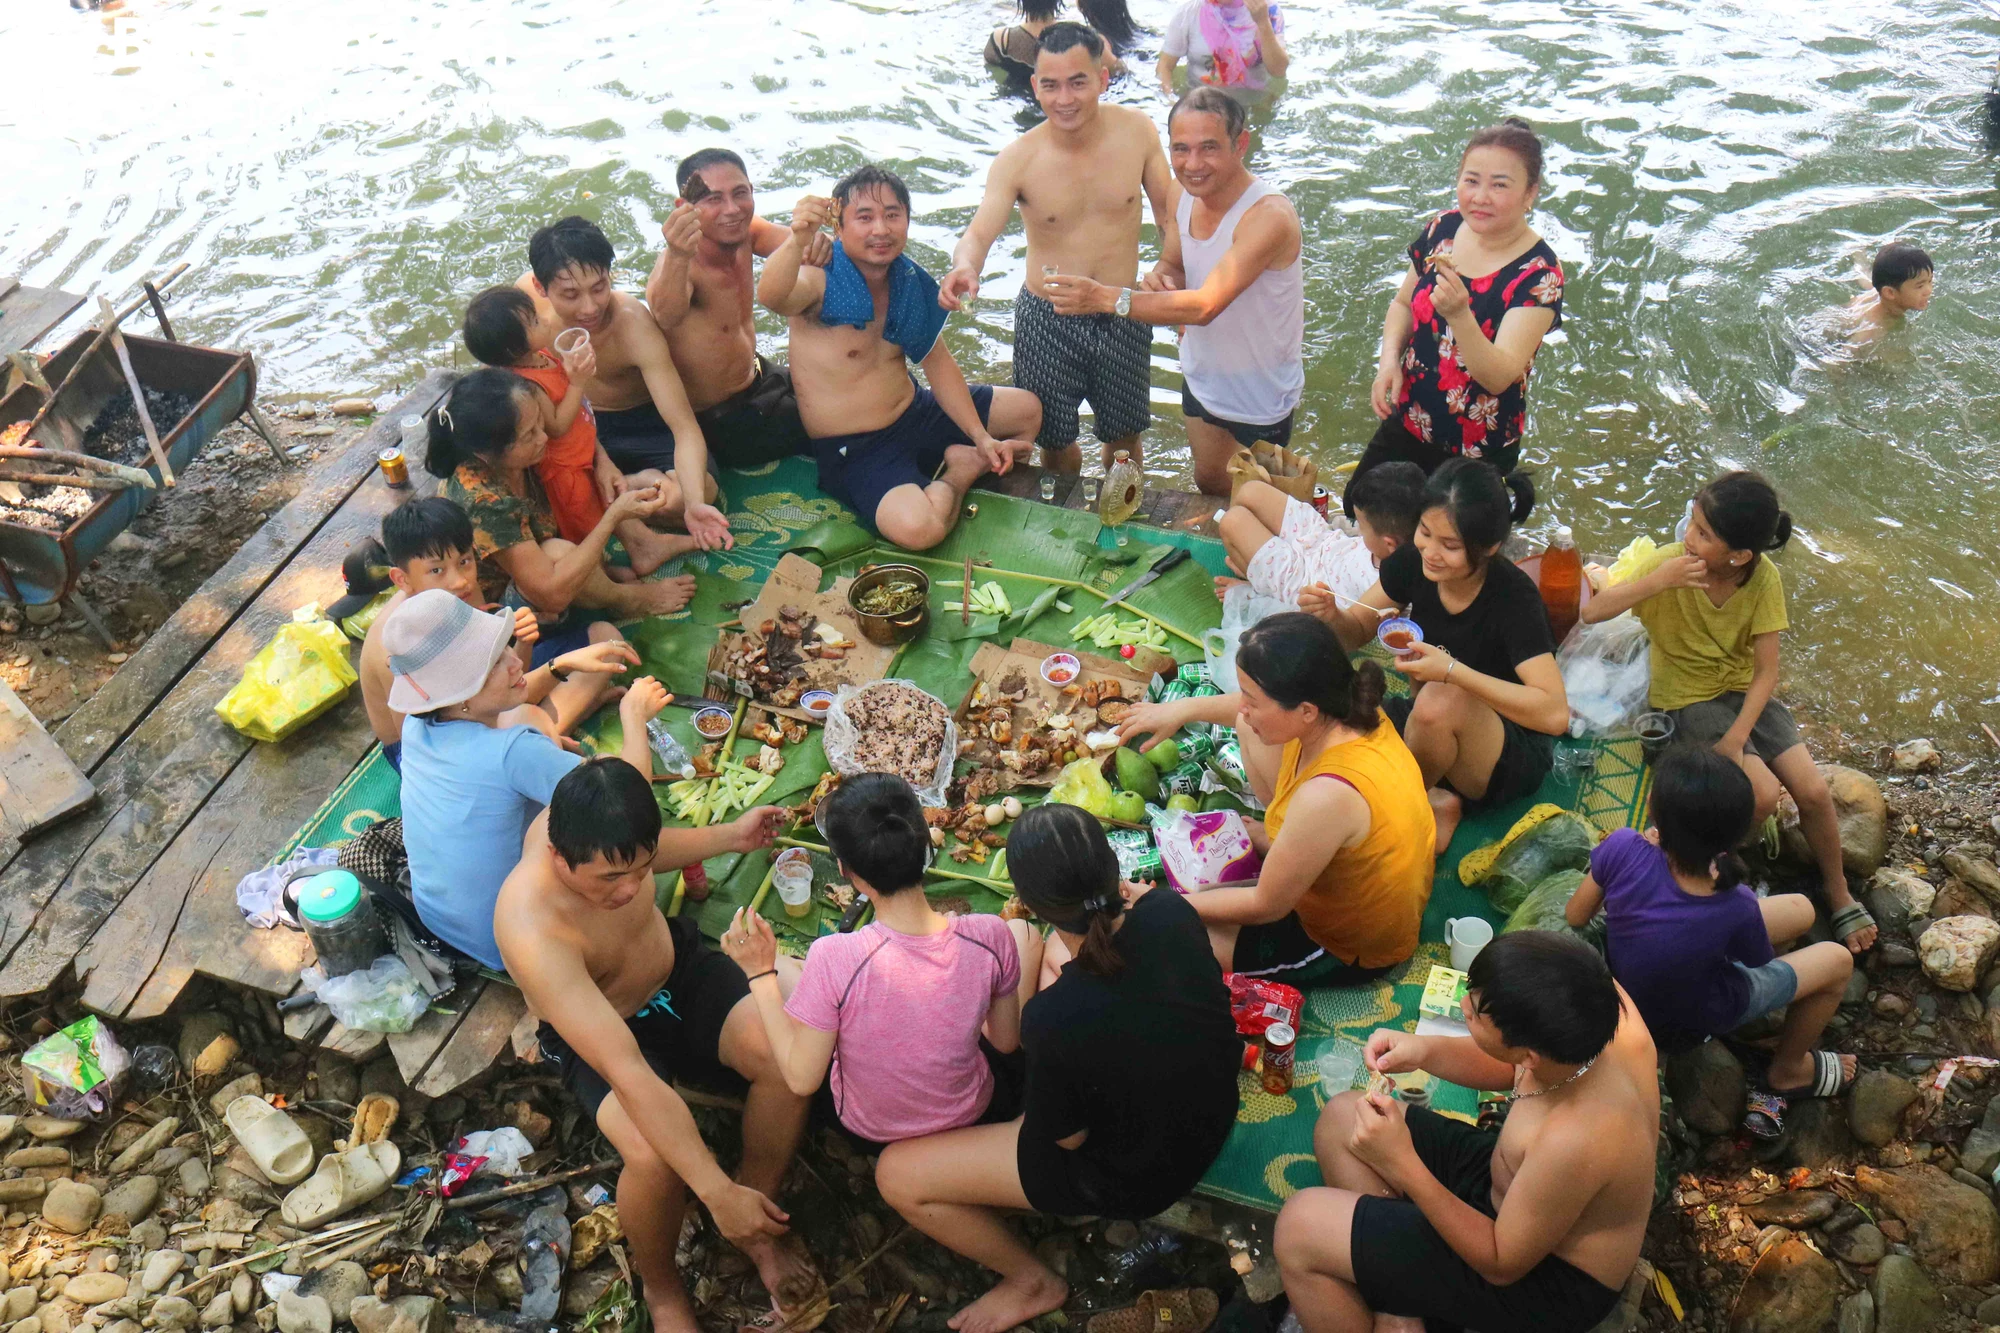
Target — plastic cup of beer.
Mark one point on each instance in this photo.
(571, 341)
(792, 877)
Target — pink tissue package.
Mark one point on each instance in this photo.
(1207, 850)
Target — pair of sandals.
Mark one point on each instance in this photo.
(1186, 1310)
(1764, 1114)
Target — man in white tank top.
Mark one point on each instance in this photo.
(1230, 272)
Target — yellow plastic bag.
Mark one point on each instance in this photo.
(1637, 553)
(1083, 783)
(298, 675)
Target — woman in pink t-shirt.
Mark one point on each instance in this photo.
(908, 1020)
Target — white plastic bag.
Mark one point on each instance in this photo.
(384, 997)
(503, 1150)
(1606, 674)
(1241, 608)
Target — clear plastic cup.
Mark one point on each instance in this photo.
(792, 877)
(571, 340)
(1340, 1063)
(1048, 485)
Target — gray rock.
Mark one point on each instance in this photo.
(174, 1312)
(160, 1268)
(338, 1285)
(1890, 909)
(1857, 1313)
(94, 1288)
(1857, 989)
(218, 1311)
(1708, 1088)
(1980, 1152)
(1875, 1106)
(338, 1078)
(1816, 1133)
(71, 1206)
(249, 1085)
(1792, 1289)
(243, 1292)
(1863, 1245)
(126, 1325)
(1906, 1300)
(168, 1160)
(30, 1324)
(405, 1314)
(1988, 1311)
(1845, 1218)
(132, 1201)
(143, 1147)
(303, 1314)
(148, 1236)
(193, 1177)
(198, 1032)
(23, 1189)
(20, 1303)
(1965, 1177)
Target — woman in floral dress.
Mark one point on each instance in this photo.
(1482, 292)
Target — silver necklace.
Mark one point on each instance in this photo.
(1581, 1070)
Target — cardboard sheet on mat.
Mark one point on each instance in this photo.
(794, 585)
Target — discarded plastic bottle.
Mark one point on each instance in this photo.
(673, 755)
(1150, 1261)
(545, 1242)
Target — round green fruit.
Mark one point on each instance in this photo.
(1128, 806)
(1182, 801)
(1166, 756)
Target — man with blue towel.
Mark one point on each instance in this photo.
(901, 455)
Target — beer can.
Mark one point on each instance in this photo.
(1208, 689)
(1184, 779)
(1194, 673)
(1321, 500)
(395, 471)
(1137, 857)
(1228, 766)
(1196, 746)
(1280, 1045)
(1176, 690)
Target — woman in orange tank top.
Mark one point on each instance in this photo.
(1348, 833)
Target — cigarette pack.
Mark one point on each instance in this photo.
(1442, 992)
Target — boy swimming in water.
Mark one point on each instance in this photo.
(1901, 282)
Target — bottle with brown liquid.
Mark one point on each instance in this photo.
(1560, 580)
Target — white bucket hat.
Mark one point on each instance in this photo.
(441, 651)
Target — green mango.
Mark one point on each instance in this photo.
(1166, 756)
(1222, 800)
(1137, 774)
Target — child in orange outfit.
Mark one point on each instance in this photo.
(503, 329)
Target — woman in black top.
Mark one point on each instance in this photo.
(1488, 701)
(1132, 1059)
(1012, 50)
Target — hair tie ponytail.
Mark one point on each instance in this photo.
(1364, 697)
(1729, 871)
(441, 457)
(1522, 486)
(1783, 532)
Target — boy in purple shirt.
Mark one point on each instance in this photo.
(1696, 948)
(909, 1019)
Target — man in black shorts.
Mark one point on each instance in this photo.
(1533, 1229)
(632, 1002)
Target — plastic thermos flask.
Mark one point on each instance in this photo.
(345, 930)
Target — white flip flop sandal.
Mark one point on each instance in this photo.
(344, 1181)
(278, 1146)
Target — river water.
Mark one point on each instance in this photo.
(343, 173)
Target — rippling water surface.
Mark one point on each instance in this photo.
(342, 173)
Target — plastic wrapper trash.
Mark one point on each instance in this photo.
(1542, 909)
(299, 674)
(839, 738)
(500, 1151)
(1546, 839)
(384, 997)
(1606, 671)
(1637, 552)
(75, 1073)
(1083, 783)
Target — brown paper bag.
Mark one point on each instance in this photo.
(1243, 467)
(1294, 474)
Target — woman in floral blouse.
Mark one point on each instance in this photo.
(1482, 292)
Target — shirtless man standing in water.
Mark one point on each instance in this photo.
(900, 456)
(1077, 177)
(700, 295)
(644, 421)
(630, 1002)
(1531, 1230)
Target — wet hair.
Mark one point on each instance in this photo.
(1896, 263)
(1064, 869)
(1515, 135)
(1113, 20)
(1067, 36)
(871, 177)
(1484, 506)
(573, 242)
(427, 527)
(1703, 805)
(496, 326)
(1296, 659)
(1392, 496)
(478, 418)
(1742, 509)
(1547, 992)
(702, 160)
(1040, 11)
(604, 807)
(1210, 100)
(875, 825)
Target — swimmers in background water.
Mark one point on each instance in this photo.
(1012, 50)
(1228, 43)
(1901, 282)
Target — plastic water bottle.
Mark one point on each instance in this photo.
(673, 755)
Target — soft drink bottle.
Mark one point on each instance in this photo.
(1561, 583)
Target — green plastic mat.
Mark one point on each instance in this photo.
(776, 509)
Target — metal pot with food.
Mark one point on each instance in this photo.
(891, 603)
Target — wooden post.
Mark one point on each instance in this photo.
(138, 391)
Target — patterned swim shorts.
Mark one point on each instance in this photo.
(1064, 359)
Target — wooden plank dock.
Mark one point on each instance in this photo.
(134, 896)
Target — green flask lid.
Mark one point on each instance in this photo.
(329, 896)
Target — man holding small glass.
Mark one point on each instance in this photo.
(1077, 177)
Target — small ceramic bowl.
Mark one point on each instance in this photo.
(1399, 634)
(816, 702)
(712, 723)
(1060, 668)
